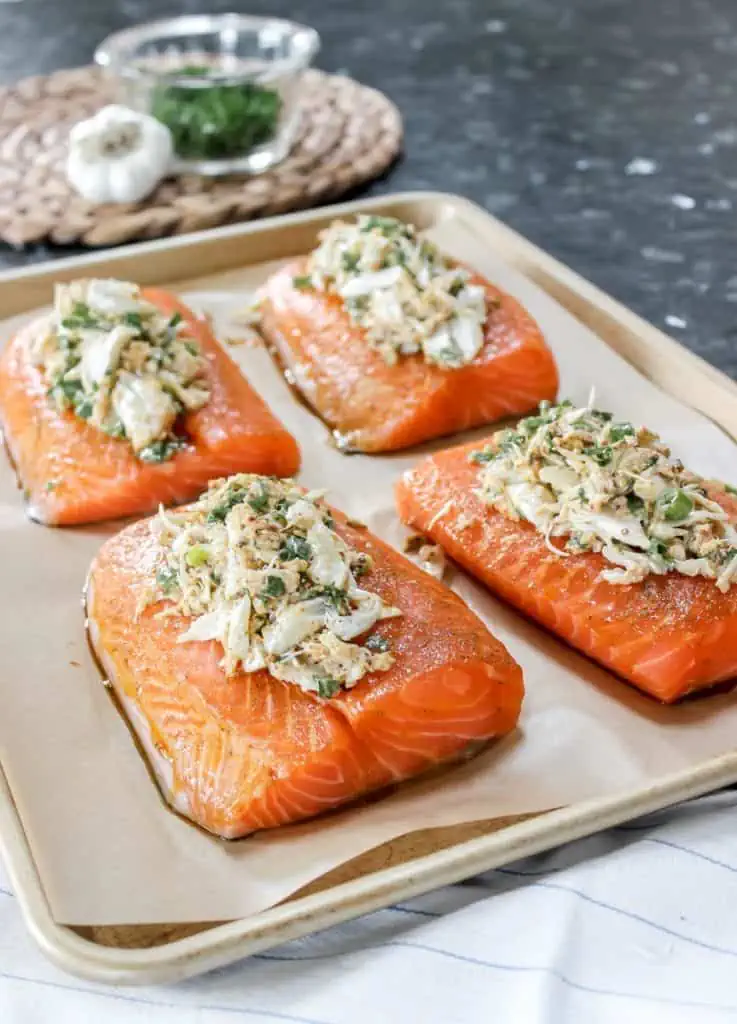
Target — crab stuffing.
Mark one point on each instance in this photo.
(408, 298)
(598, 484)
(258, 565)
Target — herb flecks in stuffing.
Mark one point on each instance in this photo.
(257, 564)
(590, 483)
(399, 288)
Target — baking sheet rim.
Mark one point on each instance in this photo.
(224, 943)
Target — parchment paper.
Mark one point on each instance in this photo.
(107, 849)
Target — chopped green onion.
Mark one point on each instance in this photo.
(302, 281)
(675, 504)
(196, 556)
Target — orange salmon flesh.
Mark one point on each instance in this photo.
(374, 407)
(669, 635)
(73, 473)
(245, 752)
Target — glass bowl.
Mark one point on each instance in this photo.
(226, 86)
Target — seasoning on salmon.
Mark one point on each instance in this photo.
(394, 344)
(588, 525)
(277, 661)
(121, 399)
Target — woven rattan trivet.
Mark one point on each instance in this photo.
(348, 134)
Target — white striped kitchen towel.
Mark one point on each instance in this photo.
(638, 924)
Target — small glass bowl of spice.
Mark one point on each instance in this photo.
(226, 86)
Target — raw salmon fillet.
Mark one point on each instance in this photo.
(247, 751)
(374, 407)
(669, 635)
(73, 473)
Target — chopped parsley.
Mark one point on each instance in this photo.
(161, 451)
(217, 119)
(274, 586)
(327, 687)
(295, 547)
(600, 453)
(83, 406)
(337, 597)
(619, 430)
(167, 579)
(258, 500)
(66, 392)
(81, 317)
(219, 513)
(377, 643)
(635, 505)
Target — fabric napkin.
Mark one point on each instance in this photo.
(637, 924)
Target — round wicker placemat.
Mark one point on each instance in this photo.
(347, 135)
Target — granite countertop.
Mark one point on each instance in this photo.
(604, 130)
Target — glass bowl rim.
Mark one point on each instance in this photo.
(115, 51)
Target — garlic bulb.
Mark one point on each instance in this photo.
(117, 156)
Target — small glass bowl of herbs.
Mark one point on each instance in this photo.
(226, 86)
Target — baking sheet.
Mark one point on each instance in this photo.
(107, 851)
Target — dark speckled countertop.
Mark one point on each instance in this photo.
(604, 130)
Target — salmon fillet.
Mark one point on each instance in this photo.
(669, 635)
(73, 473)
(247, 751)
(375, 407)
